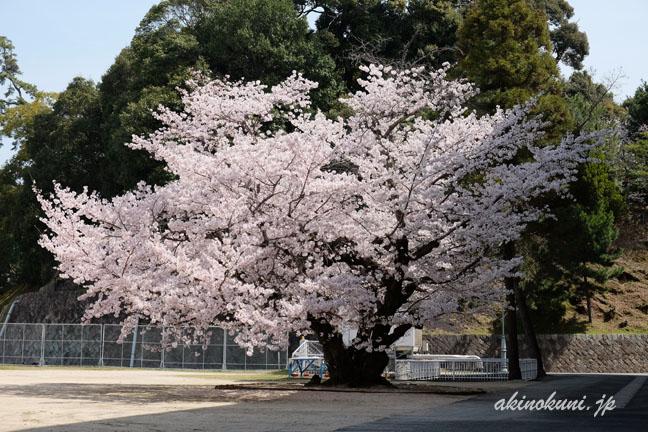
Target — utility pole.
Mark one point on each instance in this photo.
(503, 338)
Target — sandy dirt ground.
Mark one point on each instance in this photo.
(63, 399)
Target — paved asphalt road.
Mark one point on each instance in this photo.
(630, 395)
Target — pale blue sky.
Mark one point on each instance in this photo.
(618, 40)
(58, 40)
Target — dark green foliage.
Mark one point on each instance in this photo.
(593, 108)
(402, 33)
(144, 76)
(255, 39)
(569, 44)
(596, 187)
(15, 91)
(61, 144)
(570, 257)
(506, 48)
(637, 107)
(633, 165)
(573, 260)
(632, 160)
(10, 188)
(505, 51)
(65, 143)
(21, 259)
(592, 104)
(258, 40)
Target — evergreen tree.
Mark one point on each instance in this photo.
(633, 167)
(569, 44)
(15, 91)
(255, 39)
(637, 107)
(505, 49)
(562, 248)
(632, 160)
(60, 143)
(592, 103)
(585, 258)
(396, 32)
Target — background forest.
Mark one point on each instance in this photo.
(585, 269)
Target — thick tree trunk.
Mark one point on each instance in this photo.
(513, 352)
(349, 366)
(529, 331)
(354, 368)
(588, 298)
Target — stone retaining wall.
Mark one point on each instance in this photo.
(58, 307)
(613, 353)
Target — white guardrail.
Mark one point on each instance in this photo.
(485, 369)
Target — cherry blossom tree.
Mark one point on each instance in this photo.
(281, 219)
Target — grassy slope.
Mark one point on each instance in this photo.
(622, 309)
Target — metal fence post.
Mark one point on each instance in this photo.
(60, 358)
(22, 351)
(102, 339)
(142, 352)
(162, 348)
(81, 348)
(41, 361)
(224, 349)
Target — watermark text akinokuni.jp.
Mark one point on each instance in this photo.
(603, 405)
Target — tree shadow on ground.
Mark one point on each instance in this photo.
(119, 407)
(382, 412)
(137, 394)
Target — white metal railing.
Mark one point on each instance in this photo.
(461, 370)
(97, 345)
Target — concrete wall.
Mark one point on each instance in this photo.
(615, 353)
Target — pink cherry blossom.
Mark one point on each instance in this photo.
(389, 218)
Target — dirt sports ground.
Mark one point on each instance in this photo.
(78, 399)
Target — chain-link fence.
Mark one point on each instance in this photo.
(96, 345)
